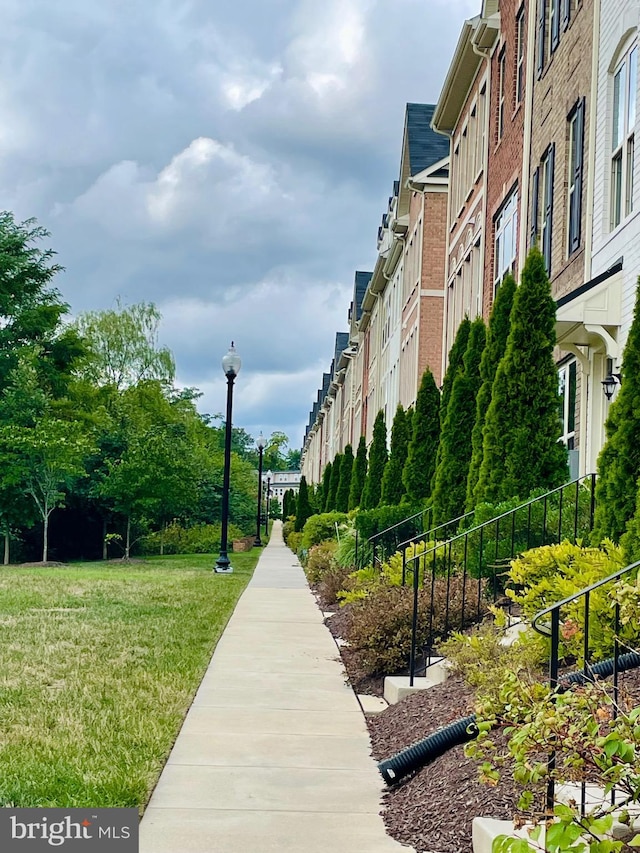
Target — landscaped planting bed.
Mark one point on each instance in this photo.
(98, 666)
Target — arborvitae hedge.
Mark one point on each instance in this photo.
(521, 451)
(423, 444)
(330, 505)
(359, 474)
(377, 461)
(455, 440)
(456, 366)
(393, 489)
(346, 468)
(619, 460)
(323, 493)
(303, 507)
(497, 335)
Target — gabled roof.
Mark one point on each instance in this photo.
(360, 286)
(425, 146)
(342, 342)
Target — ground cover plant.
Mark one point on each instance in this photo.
(99, 663)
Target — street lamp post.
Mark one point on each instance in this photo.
(268, 494)
(260, 445)
(231, 364)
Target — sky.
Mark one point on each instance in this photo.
(229, 162)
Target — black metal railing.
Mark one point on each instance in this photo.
(547, 622)
(382, 544)
(480, 554)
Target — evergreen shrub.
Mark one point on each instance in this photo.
(321, 528)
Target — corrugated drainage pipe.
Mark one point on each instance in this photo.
(414, 757)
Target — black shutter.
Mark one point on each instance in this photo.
(542, 16)
(576, 199)
(566, 13)
(555, 28)
(535, 191)
(548, 208)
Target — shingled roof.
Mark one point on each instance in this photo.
(361, 283)
(426, 147)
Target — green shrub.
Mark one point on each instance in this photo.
(175, 539)
(319, 559)
(542, 576)
(287, 529)
(377, 461)
(330, 584)
(380, 627)
(346, 551)
(322, 527)
(294, 541)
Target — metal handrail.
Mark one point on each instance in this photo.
(420, 536)
(397, 524)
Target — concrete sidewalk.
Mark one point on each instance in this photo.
(273, 756)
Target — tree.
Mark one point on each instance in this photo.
(303, 508)
(292, 460)
(455, 440)
(521, 451)
(344, 486)
(274, 458)
(377, 460)
(619, 460)
(330, 505)
(393, 489)
(358, 474)
(326, 485)
(123, 346)
(497, 335)
(423, 444)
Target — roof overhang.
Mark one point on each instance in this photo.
(460, 76)
(591, 316)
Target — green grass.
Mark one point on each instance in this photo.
(98, 665)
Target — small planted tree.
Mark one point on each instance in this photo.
(377, 461)
(497, 335)
(423, 444)
(358, 475)
(619, 461)
(330, 505)
(393, 489)
(303, 507)
(325, 486)
(344, 486)
(521, 451)
(455, 440)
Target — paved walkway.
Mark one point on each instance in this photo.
(273, 756)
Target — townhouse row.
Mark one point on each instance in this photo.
(532, 141)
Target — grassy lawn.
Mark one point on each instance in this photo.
(98, 665)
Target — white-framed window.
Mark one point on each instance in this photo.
(574, 176)
(567, 387)
(502, 74)
(481, 135)
(623, 124)
(520, 69)
(547, 168)
(506, 238)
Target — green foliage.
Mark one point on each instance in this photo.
(521, 451)
(455, 365)
(358, 475)
(319, 560)
(372, 521)
(377, 460)
(331, 502)
(542, 576)
(326, 485)
(294, 541)
(344, 485)
(497, 335)
(303, 508)
(455, 440)
(380, 629)
(619, 460)
(176, 539)
(393, 489)
(346, 552)
(423, 444)
(287, 529)
(321, 528)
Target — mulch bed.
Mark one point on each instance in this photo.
(338, 624)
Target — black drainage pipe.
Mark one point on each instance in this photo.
(415, 757)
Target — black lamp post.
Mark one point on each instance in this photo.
(231, 364)
(268, 495)
(260, 446)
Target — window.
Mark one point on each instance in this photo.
(567, 383)
(541, 35)
(520, 56)
(546, 224)
(574, 177)
(506, 238)
(566, 13)
(623, 137)
(501, 90)
(554, 25)
(482, 100)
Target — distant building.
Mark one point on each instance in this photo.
(282, 481)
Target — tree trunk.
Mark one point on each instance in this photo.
(128, 542)
(104, 539)
(45, 539)
(7, 539)
(162, 530)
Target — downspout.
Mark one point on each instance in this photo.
(526, 146)
(588, 237)
(486, 55)
(447, 253)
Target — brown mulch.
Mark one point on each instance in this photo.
(338, 624)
